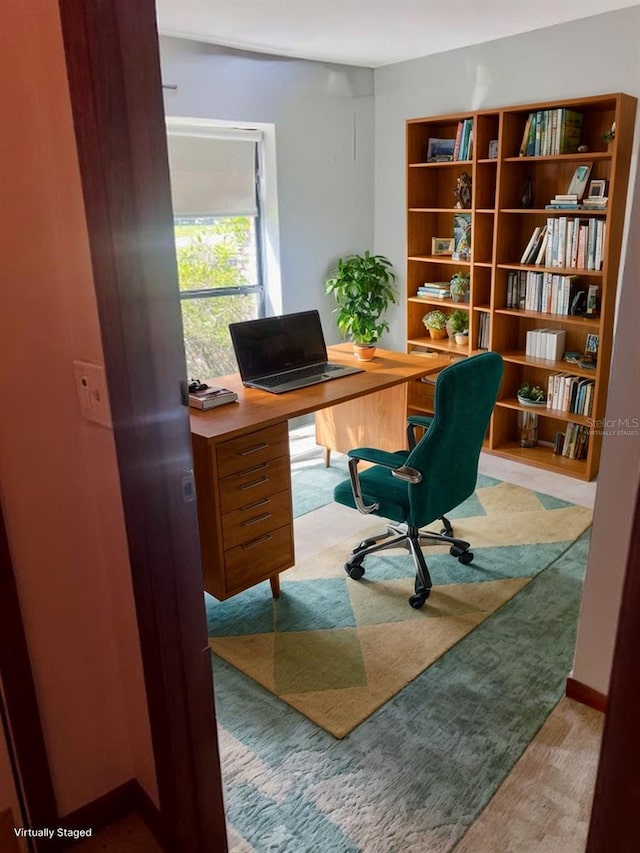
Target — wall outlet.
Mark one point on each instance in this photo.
(91, 385)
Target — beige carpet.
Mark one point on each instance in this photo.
(337, 649)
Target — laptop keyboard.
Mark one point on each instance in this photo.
(294, 375)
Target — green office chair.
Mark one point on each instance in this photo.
(415, 487)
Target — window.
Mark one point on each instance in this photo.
(218, 232)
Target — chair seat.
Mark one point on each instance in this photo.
(378, 486)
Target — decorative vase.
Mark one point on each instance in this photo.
(461, 339)
(527, 194)
(528, 427)
(364, 352)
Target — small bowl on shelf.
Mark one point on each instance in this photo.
(525, 401)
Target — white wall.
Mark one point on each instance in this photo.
(323, 117)
(547, 64)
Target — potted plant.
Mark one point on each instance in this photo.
(458, 326)
(436, 323)
(459, 286)
(531, 395)
(363, 287)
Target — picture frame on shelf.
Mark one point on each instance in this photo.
(579, 180)
(442, 245)
(492, 154)
(461, 237)
(597, 189)
(440, 150)
(591, 345)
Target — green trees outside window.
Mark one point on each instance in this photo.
(218, 274)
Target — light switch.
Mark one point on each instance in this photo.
(91, 385)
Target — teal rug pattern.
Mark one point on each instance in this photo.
(413, 776)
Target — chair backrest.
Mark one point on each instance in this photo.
(447, 455)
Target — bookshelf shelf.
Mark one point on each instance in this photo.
(501, 229)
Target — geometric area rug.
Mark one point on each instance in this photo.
(337, 650)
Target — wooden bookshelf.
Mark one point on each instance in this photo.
(500, 230)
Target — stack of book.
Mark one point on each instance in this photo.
(576, 243)
(565, 201)
(545, 343)
(569, 393)
(435, 290)
(211, 396)
(595, 202)
(549, 132)
(463, 148)
(573, 442)
(483, 331)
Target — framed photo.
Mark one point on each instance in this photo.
(440, 150)
(579, 181)
(461, 236)
(442, 246)
(597, 189)
(493, 149)
(591, 345)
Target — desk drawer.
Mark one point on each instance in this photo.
(257, 481)
(259, 558)
(258, 517)
(241, 453)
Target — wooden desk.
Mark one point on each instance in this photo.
(242, 467)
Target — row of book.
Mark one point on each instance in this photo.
(573, 443)
(434, 290)
(574, 243)
(545, 343)
(483, 331)
(549, 132)
(463, 148)
(569, 393)
(547, 293)
(570, 201)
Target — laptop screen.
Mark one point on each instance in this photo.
(274, 344)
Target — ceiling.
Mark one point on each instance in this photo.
(369, 33)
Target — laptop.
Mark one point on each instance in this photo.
(279, 354)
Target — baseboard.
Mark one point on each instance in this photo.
(586, 695)
(114, 805)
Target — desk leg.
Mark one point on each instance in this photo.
(275, 586)
(327, 457)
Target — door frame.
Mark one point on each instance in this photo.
(113, 66)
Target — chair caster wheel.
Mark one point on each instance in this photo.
(418, 600)
(455, 551)
(466, 557)
(354, 569)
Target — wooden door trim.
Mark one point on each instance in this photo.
(614, 815)
(113, 66)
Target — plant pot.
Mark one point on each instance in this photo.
(461, 340)
(437, 334)
(364, 352)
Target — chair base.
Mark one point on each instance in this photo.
(411, 538)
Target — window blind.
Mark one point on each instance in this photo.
(213, 175)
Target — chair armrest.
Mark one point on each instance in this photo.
(411, 475)
(413, 421)
(378, 457)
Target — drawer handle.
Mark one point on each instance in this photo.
(254, 542)
(262, 446)
(256, 519)
(255, 505)
(259, 482)
(255, 468)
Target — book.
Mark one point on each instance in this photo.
(210, 397)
